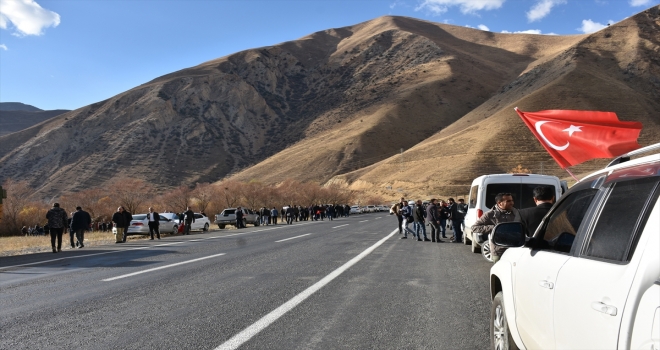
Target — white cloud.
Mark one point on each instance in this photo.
(483, 27)
(528, 31)
(466, 6)
(639, 2)
(589, 26)
(4, 47)
(27, 17)
(542, 9)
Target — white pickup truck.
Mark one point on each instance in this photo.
(589, 278)
(228, 217)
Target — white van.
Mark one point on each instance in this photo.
(482, 199)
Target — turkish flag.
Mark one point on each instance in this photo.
(573, 137)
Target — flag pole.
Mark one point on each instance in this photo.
(573, 176)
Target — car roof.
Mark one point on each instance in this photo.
(643, 167)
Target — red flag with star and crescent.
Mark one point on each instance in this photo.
(573, 137)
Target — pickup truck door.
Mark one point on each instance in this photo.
(593, 291)
(536, 272)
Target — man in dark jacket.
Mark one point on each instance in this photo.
(120, 223)
(239, 217)
(433, 218)
(457, 216)
(57, 219)
(189, 218)
(80, 222)
(154, 223)
(502, 211)
(418, 216)
(544, 197)
(128, 217)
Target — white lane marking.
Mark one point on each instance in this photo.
(380, 217)
(148, 247)
(286, 239)
(340, 226)
(161, 267)
(245, 335)
(364, 220)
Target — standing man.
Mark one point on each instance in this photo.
(80, 222)
(544, 197)
(433, 219)
(503, 211)
(128, 217)
(462, 208)
(189, 218)
(407, 215)
(57, 219)
(396, 210)
(239, 217)
(457, 218)
(418, 217)
(120, 222)
(154, 222)
(273, 214)
(289, 215)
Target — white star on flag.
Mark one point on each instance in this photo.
(572, 129)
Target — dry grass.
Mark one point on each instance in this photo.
(21, 245)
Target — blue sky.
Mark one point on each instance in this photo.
(66, 54)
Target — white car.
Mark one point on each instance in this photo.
(370, 209)
(202, 223)
(140, 225)
(355, 209)
(589, 278)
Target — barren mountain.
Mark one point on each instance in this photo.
(15, 116)
(322, 107)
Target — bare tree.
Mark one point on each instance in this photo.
(131, 193)
(178, 199)
(203, 196)
(19, 195)
(231, 192)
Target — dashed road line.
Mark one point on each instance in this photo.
(286, 239)
(340, 226)
(161, 267)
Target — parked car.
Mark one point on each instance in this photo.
(228, 217)
(482, 199)
(140, 225)
(370, 209)
(355, 209)
(202, 223)
(589, 278)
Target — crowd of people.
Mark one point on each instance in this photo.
(437, 214)
(295, 213)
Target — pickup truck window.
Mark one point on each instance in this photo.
(621, 219)
(564, 222)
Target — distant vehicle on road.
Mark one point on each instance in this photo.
(355, 209)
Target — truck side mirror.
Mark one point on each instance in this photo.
(509, 234)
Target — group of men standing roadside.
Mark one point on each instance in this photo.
(435, 214)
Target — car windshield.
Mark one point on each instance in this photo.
(523, 196)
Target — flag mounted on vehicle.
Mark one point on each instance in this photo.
(572, 137)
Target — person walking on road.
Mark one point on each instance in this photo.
(120, 223)
(396, 210)
(80, 222)
(154, 223)
(57, 219)
(128, 217)
(433, 218)
(189, 218)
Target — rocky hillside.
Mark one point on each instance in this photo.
(341, 104)
(15, 116)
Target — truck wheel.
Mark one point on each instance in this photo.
(500, 336)
(486, 251)
(256, 223)
(475, 247)
(221, 226)
(244, 223)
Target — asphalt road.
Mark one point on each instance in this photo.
(350, 283)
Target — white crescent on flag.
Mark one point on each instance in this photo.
(537, 125)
